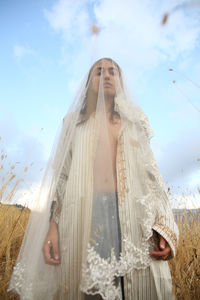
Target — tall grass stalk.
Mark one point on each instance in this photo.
(185, 267)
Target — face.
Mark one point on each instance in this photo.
(105, 71)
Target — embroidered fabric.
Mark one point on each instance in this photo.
(18, 277)
(37, 289)
(56, 205)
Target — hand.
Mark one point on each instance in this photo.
(162, 250)
(51, 245)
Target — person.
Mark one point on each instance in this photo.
(104, 228)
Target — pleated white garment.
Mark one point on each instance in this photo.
(104, 190)
(153, 283)
(146, 283)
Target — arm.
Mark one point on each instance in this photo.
(165, 226)
(56, 205)
(51, 244)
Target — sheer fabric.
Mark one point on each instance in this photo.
(103, 188)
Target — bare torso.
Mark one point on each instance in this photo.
(105, 177)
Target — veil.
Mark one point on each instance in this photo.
(104, 190)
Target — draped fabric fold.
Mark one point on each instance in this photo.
(104, 190)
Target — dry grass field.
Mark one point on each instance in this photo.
(185, 267)
(13, 222)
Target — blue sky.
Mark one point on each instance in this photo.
(47, 47)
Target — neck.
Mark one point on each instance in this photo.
(109, 104)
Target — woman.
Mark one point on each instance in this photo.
(111, 227)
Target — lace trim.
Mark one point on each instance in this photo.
(127, 110)
(145, 123)
(146, 223)
(124, 107)
(98, 274)
(17, 281)
(155, 176)
(33, 285)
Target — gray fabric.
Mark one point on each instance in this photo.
(105, 218)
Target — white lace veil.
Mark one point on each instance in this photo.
(100, 187)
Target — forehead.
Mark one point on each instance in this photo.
(105, 64)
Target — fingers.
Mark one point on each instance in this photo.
(51, 253)
(161, 254)
(165, 257)
(162, 243)
(156, 248)
(163, 251)
(55, 251)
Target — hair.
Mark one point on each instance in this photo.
(84, 113)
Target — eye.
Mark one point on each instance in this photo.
(98, 71)
(111, 71)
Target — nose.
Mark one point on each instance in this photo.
(106, 74)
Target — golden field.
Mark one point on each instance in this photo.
(185, 267)
(13, 222)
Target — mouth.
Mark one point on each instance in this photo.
(107, 85)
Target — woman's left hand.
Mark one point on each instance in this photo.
(162, 250)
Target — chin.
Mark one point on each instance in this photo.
(109, 94)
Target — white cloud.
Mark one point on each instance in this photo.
(178, 160)
(134, 29)
(68, 17)
(21, 51)
(194, 179)
(24, 151)
(132, 34)
(184, 99)
(25, 196)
